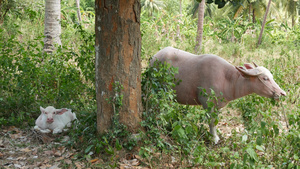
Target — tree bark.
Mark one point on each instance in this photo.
(199, 37)
(78, 10)
(118, 59)
(263, 24)
(52, 29)
(253, 16)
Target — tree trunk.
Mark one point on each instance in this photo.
(263, 24)
(78, 10)
(198, 46)
(253, 15)
(250, 12)
(293, 20)
(52, 29)
(180, 13)
(118, 59)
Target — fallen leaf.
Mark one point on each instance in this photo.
(134, 162)
(260, 153)
(57, 154)
(138, 157)
(78, 165)
(60, 158)
(49, 152)
(68, 161)
(94, 160)
(15, 136)
(26, 150)
(1, 155)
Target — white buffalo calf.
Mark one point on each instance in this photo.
(55, 120)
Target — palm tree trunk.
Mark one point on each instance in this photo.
(52, 29)
(263, 24)
(78, 10)
(198, 46)
(250, 12)
(180, 12)
(293, 20)
(253, 16)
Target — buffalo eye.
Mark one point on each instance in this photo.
(266, 78)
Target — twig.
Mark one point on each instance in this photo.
(284, 114)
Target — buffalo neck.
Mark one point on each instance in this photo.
(240, 86)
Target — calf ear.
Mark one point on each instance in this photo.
(42, 109)
(60, 111)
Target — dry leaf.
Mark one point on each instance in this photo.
(49, 152)
(78, 165)
(94, 160)
(15, 136)
(260, 153)
(57, 154)
(68, 161)
(60, 158)
(26, 150)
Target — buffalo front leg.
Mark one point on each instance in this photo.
(213, 131)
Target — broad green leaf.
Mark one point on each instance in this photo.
(252, 153)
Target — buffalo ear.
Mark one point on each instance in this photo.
(248, 66)
(248, 72)
(241, 70)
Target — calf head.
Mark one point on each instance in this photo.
(50, 112)
(262, 81)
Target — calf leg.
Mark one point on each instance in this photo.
(57, 130)
(41, 130)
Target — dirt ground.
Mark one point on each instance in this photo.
(27, 149)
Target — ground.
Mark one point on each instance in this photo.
(25, 148)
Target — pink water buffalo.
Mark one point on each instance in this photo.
(198, 72)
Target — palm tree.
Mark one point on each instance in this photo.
(180, 13)
(291, 9)
(152, 5)
(263, 24)
(199, 37)
(78, 10)
(52, 29)
(246, 7)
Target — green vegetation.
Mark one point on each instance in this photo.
(262, 133)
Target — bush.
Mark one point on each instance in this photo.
(31, 78)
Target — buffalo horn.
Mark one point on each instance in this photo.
(255, 64)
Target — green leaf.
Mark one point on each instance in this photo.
(251, 153)
(87, 150)
(244, 138)
(263, 124)
(259, 140)
(109, 150)
(260, 148)
(118, 145)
